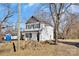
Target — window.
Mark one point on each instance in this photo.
(29, 35)
(32, 26)
(36, 26)
(29, 26)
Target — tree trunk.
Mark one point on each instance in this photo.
(56, 29)
(55, 36)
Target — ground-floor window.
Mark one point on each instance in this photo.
(29, 35)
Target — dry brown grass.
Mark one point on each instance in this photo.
(33, 48)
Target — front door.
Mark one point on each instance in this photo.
(38, 36)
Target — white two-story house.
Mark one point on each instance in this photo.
(38, 30)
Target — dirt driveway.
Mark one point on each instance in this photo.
(70, 42)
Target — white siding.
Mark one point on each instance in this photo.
(46, 33)
(34, 36)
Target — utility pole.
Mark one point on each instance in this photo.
(19, 14)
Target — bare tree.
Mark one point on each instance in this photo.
(9, 13)
(44, 16)
(72, 23)
(57, 10)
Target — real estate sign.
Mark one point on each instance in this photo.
(7, 37)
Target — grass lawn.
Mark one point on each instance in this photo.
(40, 49)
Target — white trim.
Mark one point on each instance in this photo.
(32, 23)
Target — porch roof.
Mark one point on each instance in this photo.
(32, 30)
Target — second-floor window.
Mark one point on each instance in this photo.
(36, 26)
(32, 26)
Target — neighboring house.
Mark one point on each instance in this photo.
(38, 30)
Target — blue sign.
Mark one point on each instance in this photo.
(8, 37)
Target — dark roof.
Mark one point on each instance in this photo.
(34, 19)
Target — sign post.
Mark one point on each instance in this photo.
(19, 26)
(8, 39)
